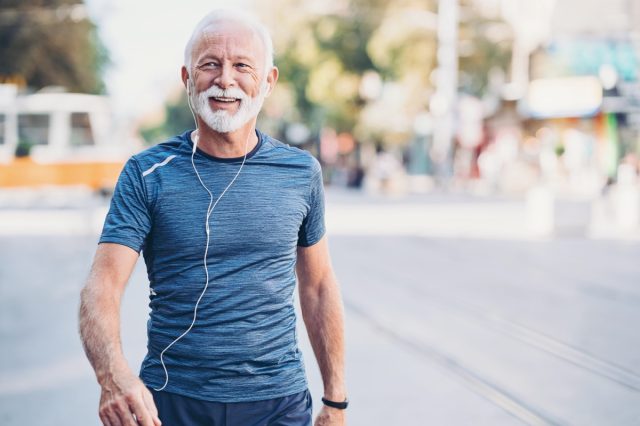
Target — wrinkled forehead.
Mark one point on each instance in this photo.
(229, 38)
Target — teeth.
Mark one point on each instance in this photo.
(225, 99)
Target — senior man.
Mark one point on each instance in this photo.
(226, 217)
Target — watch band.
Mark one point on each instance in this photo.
(339, 405)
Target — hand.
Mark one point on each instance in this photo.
(329, 416)
(125, 401)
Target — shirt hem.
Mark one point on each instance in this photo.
(313, 241)
(115, 240)
(261, 397)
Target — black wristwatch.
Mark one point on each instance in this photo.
(333, 404)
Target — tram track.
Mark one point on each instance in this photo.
(480, 385)
(465, 310)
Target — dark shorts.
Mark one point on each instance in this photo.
(178, 410)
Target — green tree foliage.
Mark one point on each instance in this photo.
(51, 42)
(177, 119)
(485, 44)
(323, 56)
(324, 52)
(322, 64)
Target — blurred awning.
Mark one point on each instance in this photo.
(563, 97)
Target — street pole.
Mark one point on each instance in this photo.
(443, 103)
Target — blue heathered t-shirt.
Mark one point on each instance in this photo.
(243, 346)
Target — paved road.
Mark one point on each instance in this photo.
(442, 331)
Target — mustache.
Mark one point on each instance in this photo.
(231, 92)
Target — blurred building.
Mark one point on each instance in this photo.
(582, 17)
(584, 97)
(570, 113)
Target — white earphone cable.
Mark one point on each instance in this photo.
(210, 209)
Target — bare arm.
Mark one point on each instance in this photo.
(123, 394)
(323, 315)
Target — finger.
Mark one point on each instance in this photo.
(140, 410)
(104, 419)
(125, 416)
(114, 419)
(151, 406)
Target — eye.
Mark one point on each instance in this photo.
(243, 65)
(208, 65)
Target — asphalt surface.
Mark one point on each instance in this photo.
(441, 330)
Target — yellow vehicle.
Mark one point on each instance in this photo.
(59, 139)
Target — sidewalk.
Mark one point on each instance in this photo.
(355, 213)
(463, 216)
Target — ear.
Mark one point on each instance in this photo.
(272, 78)
(185, 77)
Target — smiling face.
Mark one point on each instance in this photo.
(228, 81)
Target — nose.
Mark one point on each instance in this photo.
(225, 78)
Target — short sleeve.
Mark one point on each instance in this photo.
(128, 221)
(313, 226)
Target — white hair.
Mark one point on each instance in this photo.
(227, 15)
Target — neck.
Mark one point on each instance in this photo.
(226, 145)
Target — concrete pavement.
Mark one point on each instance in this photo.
(460, 329)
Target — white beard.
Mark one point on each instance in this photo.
(222, 121)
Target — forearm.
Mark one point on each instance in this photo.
(124, 399)
(324, 318)
(99, 320)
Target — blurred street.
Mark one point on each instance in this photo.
(476, 327)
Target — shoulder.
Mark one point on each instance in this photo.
(162, 153)
(290, 155)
